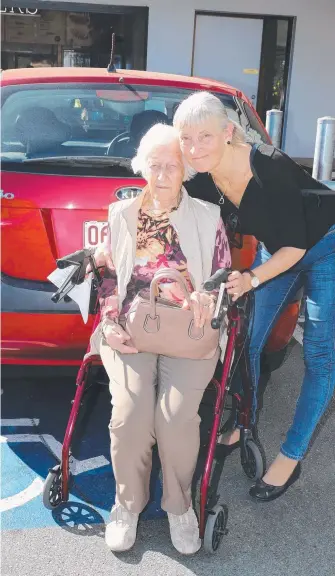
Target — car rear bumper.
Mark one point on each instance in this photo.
(44, 339)
(30, 296)
(37, 331)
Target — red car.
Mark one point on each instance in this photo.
(67, 137)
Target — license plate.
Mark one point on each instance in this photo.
(94, 233)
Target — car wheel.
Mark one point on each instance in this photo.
(271, 361)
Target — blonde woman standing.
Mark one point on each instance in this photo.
(296, 233)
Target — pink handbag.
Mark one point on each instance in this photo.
(162, 327)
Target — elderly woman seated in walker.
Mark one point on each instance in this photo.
(156, 398)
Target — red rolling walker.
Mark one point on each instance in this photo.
(212, 519)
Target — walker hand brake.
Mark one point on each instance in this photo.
(218, 280)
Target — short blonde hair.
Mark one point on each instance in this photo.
(201, 106)
(157, 135)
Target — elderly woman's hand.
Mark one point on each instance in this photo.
(203, 306)
(117, 338)
(101, 258)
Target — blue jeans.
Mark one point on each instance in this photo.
(316, 274)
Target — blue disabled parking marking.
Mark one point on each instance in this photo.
(25, 465)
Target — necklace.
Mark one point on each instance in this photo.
(235, 192)
(221, 194)
(155, 211)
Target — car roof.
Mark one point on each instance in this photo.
(67, 74)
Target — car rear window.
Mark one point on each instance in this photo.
(74, 120)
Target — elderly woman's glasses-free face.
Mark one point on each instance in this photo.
(170, 169)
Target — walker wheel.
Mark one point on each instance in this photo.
(52, 489)
(253, 466)
(215, 528)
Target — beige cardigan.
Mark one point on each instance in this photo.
(195, 222)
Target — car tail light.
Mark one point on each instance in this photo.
(26, 251)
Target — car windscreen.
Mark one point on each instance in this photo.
(81, 120)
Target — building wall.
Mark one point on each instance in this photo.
(312, 78)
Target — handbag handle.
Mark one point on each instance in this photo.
(162, 274)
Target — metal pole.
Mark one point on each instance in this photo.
(324, 148)
(274, 119)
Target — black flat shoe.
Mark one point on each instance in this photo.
(224, 450)
(263, 492)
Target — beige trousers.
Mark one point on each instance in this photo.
(155, 399)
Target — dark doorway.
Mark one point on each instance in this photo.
(275, 61)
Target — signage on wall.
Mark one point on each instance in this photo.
(19, 11)
(45, 27)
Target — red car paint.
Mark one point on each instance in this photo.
(42, 220)
(58, 218)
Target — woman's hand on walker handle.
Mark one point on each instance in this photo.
(117, 338)
(281, 261)
(203, 306)
(238, 284)
(101, 258)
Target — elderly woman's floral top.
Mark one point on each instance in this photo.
(157, 247)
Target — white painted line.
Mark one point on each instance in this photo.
(298, 334)
(19, 421)
(35, 489)
(77, 466)
(80, 466)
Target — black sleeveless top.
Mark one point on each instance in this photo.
(282, 204)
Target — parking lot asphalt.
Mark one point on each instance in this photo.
(293, 536)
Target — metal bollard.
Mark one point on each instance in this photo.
(274, 119)
(324, 149)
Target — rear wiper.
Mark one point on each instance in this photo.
(133, 90)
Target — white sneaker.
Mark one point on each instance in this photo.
(121, 531)
(184, 532)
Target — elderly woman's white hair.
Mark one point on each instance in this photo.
(157, 135)
(201, 106)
